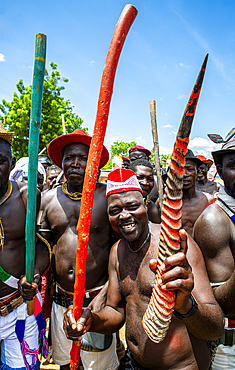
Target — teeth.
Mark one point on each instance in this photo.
(127, 226)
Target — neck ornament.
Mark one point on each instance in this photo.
(147, 200)
(144, 242)
(73, 196)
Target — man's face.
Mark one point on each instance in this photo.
(227, 173)
(190, 174)
(202, 172)
(5, 165)
(145, 177)
(127, 214)
(126, 164)
(137, 154)
(51, 178)
(74, 163)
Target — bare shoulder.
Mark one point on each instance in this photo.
(212, 217)
(48, 197)
(101, 188)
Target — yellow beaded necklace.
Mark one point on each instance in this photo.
(2, 200)
(73, 196)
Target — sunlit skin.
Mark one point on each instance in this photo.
(51, 177)
(215, 233)
(13, 216)
(131, 277)
(194, 201)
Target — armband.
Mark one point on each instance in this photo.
(194, 309)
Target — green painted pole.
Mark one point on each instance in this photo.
(34, 131)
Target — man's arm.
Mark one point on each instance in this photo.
(110, 319)
(213, 234)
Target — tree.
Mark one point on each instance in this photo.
(163, 158)
(118, 147)
(16, 114)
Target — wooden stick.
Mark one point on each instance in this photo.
(63, 123)
(83, 227)
(43, 150)
(34, 131)
(156, 152)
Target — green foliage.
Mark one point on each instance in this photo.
(163, 158)
(118, 147)
(16, 114)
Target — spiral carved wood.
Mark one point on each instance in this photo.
(158, 315)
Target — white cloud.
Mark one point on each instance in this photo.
(113, 138)
(182, 65)
(2, 58)
(181, 96)
(173, 132)
(166, 126)
(92, 62)
(140, 141)
(165, 150)
(202, 146)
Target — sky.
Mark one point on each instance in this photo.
(160, 61)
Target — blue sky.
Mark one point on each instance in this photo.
(160, 61)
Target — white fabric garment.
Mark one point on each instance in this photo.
(21, 170)
(224, 358)
(230, 201)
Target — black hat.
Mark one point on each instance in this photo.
(228, 146)
(191, 156)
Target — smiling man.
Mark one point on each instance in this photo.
(61, 207)
(131, 282)
(202, 183)
(194, 201)
(144, 173)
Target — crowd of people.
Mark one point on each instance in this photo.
(121, 261)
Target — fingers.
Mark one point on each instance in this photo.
(73, 329)
(28, 291)
(183, 241)
(153, 265)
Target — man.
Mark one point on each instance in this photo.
(144, 172)
(194, 201)
(215, 233)
(52, 173)
(61, 207)
(202, 183)
(44, 160)
(139, 152)
(125, 162)
(131, 282)
(18, 331)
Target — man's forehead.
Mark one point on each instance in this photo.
(138, 152)
(125, 197)
(5, 148)
(144, 170)
(189, 162)
(229, 157)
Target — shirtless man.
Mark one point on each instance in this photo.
(202, 183)
(130, 286)
(13, 286)
(61, 207)
(144, 173)
(194, 201)
(52, 173)
(139, 152)
(214, 231)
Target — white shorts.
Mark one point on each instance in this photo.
(224, 358)
(61, 345)
(11, 354)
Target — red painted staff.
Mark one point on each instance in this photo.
(83, 227)
(157, 317)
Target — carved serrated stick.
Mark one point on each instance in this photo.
(157, 317)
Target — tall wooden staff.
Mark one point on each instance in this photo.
(83, 227)
(156, 152)
(35, 122)
(157, 317)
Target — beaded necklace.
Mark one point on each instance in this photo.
(73, 196)
(147, 200)
(2, 200)
(141, 244)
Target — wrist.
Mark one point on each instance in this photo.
(190, 312)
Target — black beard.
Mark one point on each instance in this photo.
(3, 189)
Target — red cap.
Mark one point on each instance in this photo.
(125, 158)
(208, 162)
(121, 180)
(77, 136)
(139, 147)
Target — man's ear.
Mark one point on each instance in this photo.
(219, 170)
(13, 162)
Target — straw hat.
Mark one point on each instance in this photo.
(7, 136)
(228, 146)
